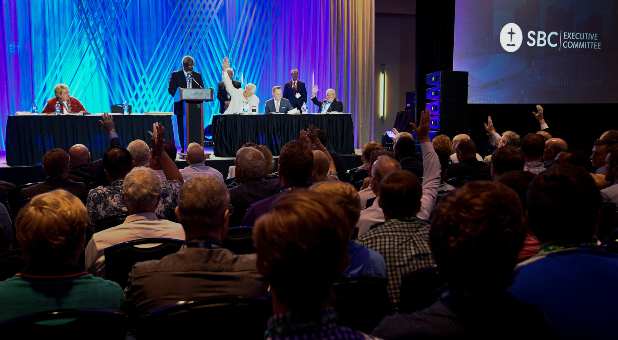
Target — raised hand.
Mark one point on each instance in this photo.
(226, 63)
(489, 126)
(422, 131)
(107, 123)
(314, 91)
(538, 114)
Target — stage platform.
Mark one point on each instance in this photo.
(20, 175)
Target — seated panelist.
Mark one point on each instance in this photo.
(67, 103)
(277, 104)
(330, 102)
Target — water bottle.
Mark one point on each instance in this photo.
(35, 109)
(125, 108)
(58, 108)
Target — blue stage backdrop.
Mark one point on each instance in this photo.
(109, 51)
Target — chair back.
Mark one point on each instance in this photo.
(67, 324)
(239, 240)
(120, 258)
(420, 289)
(216, 318)
(361, 303)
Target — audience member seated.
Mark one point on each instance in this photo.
(301, 251)
(386, 165)
(444, 148)
(508, 138)
(56, 165)
(533, 147)
(105, 202)
(51, 231)
(357, 175)
(456, 140)
(366, 193)
(295, 169)
(469, 168)
(252, 185)
(519, 181)
(362, 261)
(196, 167)
(475, 237)
(570, 280)
(600, 150)
(403, 239)
(553, 147)
(141, 192)
(140, 152)
(81, 167)
(321, 163)
(204, 269)
(610, 194)
(405, 152)
(505, 159)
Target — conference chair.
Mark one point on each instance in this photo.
(67, 324)
(120, 258)
(215, 318)
(361, 303)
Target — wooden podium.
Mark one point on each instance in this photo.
(192, 101)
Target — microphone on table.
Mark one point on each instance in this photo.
(195, 81)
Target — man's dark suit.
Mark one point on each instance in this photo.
(335, 106)
(289, 93)
(223, 96)
(284, 106)
(178, 79)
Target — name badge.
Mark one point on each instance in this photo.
(297, 95)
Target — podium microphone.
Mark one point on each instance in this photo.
(198, 84)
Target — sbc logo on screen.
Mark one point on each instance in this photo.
(511, 38)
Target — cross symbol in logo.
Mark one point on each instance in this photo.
(511, 33)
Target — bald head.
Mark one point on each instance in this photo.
(553, 147)
(321, 164)
(79, 154)
(382, 167)
(140, 152)
(250, 164)
(195, 153)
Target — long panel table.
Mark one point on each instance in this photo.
(230, 132)
(28, 137)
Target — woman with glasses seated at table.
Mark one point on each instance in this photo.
(67, 103)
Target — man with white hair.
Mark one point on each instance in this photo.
(242, 100)
(141, 193)
(140, 152)
(458, 139)
(330, 102)
(196, 167)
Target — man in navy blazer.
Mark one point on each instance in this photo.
(295, 91)
(330, 102)
(277, 104)
(184, 78)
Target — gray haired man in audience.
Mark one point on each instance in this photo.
(204, 269)
(196, 167)
(141, 192)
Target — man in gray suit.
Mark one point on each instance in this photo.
(277, 104)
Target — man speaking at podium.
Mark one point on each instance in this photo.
(187, 79)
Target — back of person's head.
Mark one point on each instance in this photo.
(141, 190)
(51, 231)
(382, 166)
(203, 207)
(195, 154)
(301, 250)
(519, 181)
(546, 135)
(140, 151)
(553, 147)
(510, 138)
(505, 159)
(533, 146)
(460, 138)
(443, 146)
(404, 146)
(345, 197)
(56, 163)
(563, 205)
(250, 164)
(321, 164)
(296, 164)
(466, 150)
(476, 235)
(79, 154)
(268, 157)
(117, 163)
(612, 165)
(400, 195)
(368, 149)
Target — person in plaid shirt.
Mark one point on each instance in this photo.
(403, 239)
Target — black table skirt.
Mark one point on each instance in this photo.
(230, 132)
(29, 137)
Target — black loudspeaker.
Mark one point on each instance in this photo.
(447, 102)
